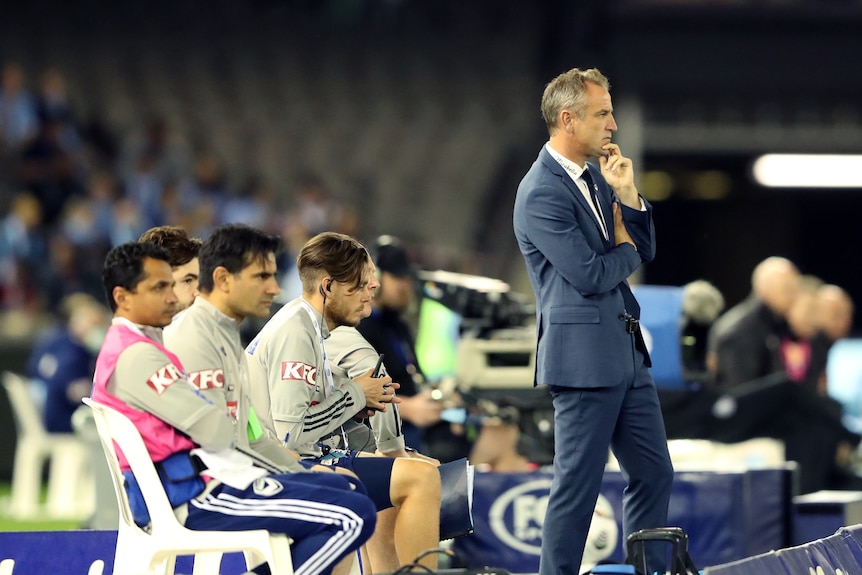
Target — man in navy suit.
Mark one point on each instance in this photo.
(583, 229)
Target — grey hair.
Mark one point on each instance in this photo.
(568, 92)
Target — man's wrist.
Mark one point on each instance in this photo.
(629, 196)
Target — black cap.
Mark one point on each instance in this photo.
(390, 256)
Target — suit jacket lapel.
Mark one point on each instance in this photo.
(555, 168)
(607, 211)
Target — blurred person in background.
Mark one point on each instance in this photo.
(835, 321)
(51, 170)
(145, 187)
(250, 204)
(763, 352)
(185, 266)
(69, 270)
(52, 103)
(23, 249)
(315, 208)
(163, 147)
(835, 313)
(102, 193)
(202, 193)
(744, 343)
(312, 211)
(702, 303)
(802, 356)
(62, 360)
(18, 119)
(128, 220)
(295, 234)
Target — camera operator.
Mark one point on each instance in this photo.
(487, 433)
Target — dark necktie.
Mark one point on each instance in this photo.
(585, 175)
(629, 300)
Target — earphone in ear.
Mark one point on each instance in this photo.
(329, 286)
(320, 289)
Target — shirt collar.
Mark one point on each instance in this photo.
(571, 167)
(220, 317)
(154, 333)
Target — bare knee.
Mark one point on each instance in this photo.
(414, 478)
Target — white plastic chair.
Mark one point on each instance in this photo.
(154, 551)
(70, 484)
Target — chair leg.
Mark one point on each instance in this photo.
(132, 559)
(282, 560)
(67, 482)
(207, 563)
(167, 565)
(26, 480)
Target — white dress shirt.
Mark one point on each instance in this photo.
(576, 173)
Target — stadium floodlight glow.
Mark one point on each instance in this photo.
(808, 170)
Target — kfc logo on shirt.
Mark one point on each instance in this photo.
(298, 371)
(164, 377)
(207, 379)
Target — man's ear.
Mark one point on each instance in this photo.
(222, 278)
(120, 296)
(571, 120)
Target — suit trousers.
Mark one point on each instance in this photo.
(627, 418)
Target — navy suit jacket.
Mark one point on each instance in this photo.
(579, 278)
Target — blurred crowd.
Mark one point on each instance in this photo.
(761, 371)
(70, 190)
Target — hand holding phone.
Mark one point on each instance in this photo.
(379, 389)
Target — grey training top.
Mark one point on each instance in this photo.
(175, 402)
(208, 344)
(304, 407)
(351, 356)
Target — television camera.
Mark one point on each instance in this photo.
(496, 355)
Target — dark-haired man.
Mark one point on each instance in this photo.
(138, 376)
(237, 281)
(183, 257)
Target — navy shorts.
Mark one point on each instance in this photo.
(374, 472)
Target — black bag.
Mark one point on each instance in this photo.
(680, 561)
